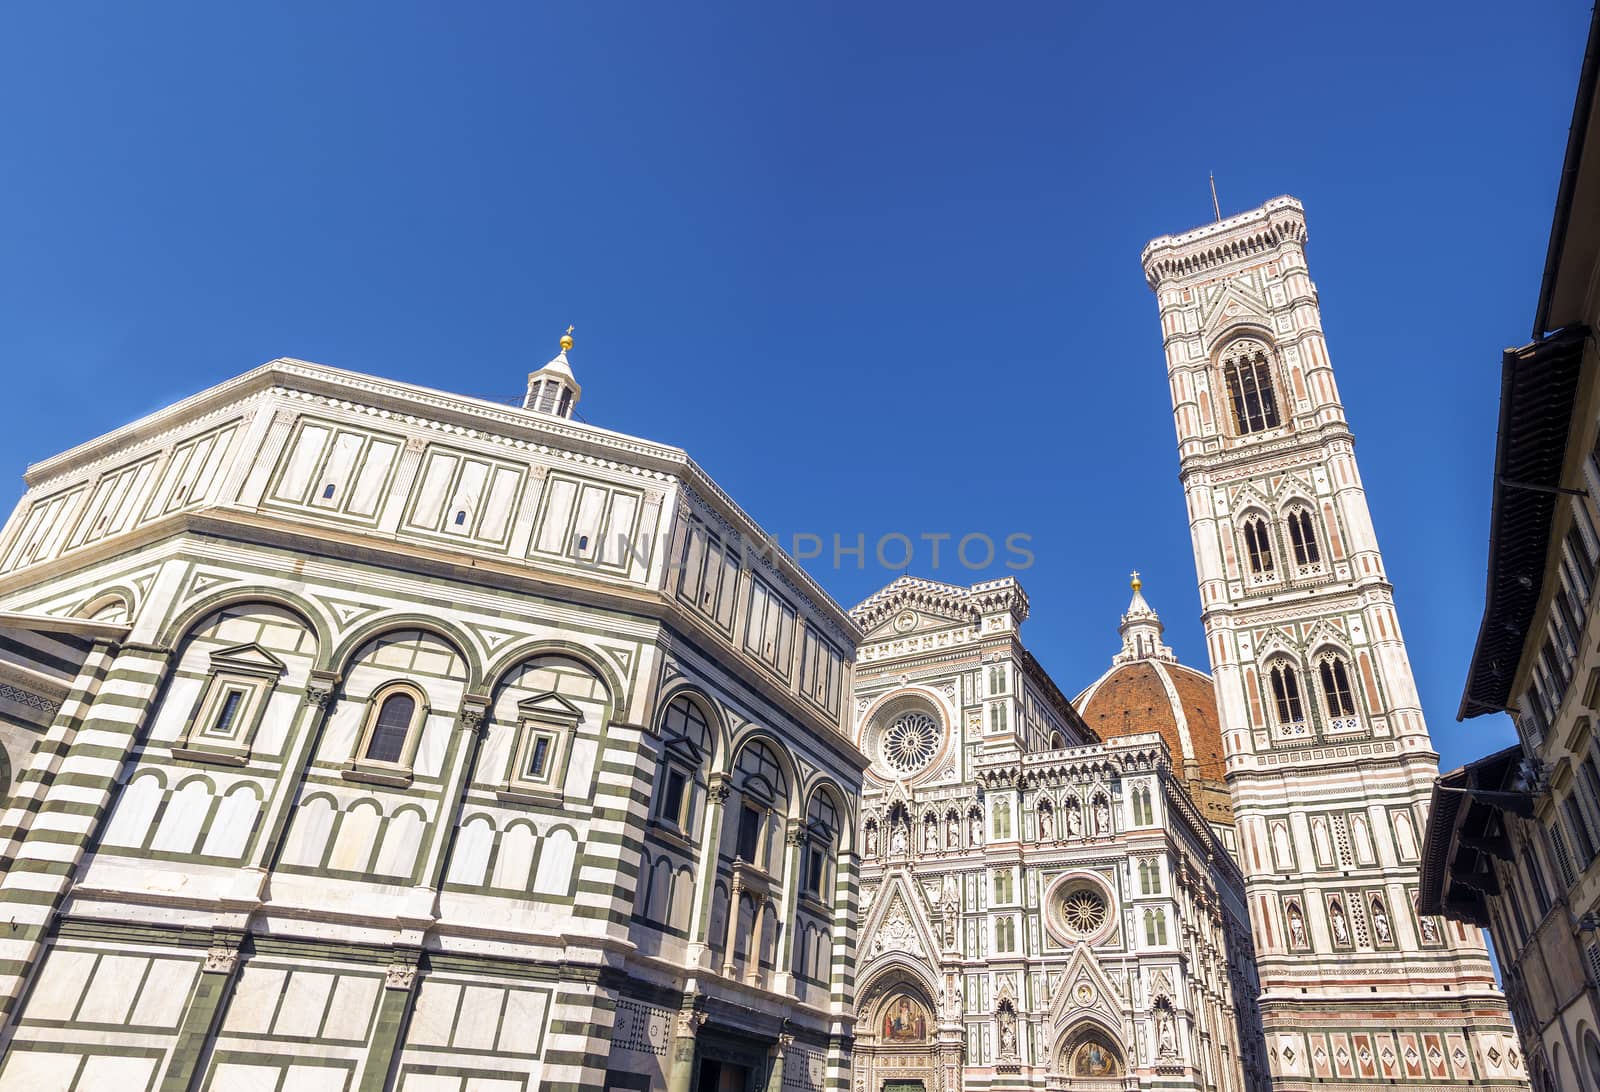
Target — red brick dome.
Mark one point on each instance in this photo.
(1151, 695)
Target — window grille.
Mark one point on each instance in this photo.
(1286, 700)
(1249, 380)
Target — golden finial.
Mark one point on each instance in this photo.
(566, 340)
(1136, 583)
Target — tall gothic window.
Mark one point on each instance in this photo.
(1248, 374)
(1286, 694)
(1335, 675)
(1258, 545)
(1303, 536)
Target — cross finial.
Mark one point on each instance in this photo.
(566, 340)
(1135, 583)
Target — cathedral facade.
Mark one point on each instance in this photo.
(1328, 757)
(386, 739)
(1040, 907)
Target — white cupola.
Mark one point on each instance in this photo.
(553, 389)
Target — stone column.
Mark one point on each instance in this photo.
(321, 688)
(394, 1012)
(735, 889)
(775, 1075)
(706, 870)
(758, 922)
(468, 741)
(783, 959)
(204, 1014)
(680, 1063)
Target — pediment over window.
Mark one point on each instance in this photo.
(549, 706)
(684, 749)
(250, 658)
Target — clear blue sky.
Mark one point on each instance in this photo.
(874, 265)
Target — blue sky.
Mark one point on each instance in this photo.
(874, 265)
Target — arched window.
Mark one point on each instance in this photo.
(1248, 373)
(1286, 697)
(1303, 537)
(1258, 546)
(821, 847)
(387, 741)
(1339, 699)
(1155, 927)
(686, 747)
(763, 792)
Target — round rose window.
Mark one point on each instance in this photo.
(909, 742)
(1078, 907)
(1083, 911)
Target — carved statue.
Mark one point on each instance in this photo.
(977, 828)
(1008, 1033)
(872, 840)
(1341, 929)
(1380, 922)
(1047, 825)
(1164, 1032)
(953, 835)
(897, 840)
(1297, 927)
(1074, 822)
(1430, 931)
(1102, 817)
(930, 837)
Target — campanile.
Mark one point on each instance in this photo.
(1328, 757)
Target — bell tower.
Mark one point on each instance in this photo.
(1328, 757)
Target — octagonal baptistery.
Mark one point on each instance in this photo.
(1148, 690)
(377, 735)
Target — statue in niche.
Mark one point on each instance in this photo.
(1047, 825)
(1102, 817)
(897, 840)
(953, 833)
(930, 838)
(1341, 928)
(1430, 931)
(1297, 926)
(977, 828)
(872, 840)
(1074, 821)
(1008, 1033)
(1169, 1043)
(1380, 922)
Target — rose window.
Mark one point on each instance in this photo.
(909, 742)
(1078, 907)
(1083, 911)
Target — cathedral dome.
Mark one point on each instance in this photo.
(1158, 696)
(1148, 690)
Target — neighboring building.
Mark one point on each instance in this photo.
(384, 738)
(1514, 837)
(1040, 909)
(1328, 756)
(1148, 690)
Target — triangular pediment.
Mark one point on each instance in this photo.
(549, 704)
(1233, 302)
(897, 924)
(1085, 990)
(247, 657)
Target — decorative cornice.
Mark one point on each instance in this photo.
(1249, 235)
